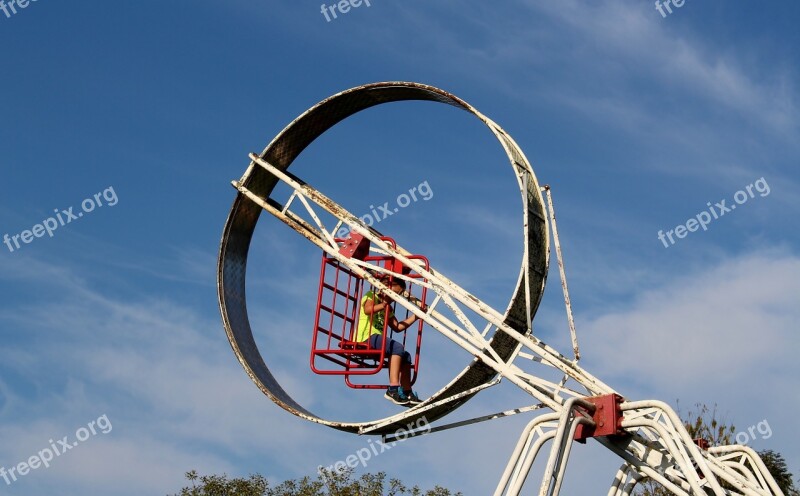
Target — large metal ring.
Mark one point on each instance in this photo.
(241, 223)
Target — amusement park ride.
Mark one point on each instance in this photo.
(647, 435)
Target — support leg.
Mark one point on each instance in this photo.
(525, 452)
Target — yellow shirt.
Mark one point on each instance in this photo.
(370, 324)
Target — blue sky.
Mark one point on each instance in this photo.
(636, 120)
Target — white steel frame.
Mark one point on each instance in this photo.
(656, 445)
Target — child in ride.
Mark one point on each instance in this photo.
(375, 305)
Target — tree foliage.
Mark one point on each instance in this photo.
(704, 423)
(777, 467)
(327, 483)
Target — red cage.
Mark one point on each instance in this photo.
(334, 349)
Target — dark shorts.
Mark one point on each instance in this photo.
(392, 347)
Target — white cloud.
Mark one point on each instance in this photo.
(720, 325)
(633, 40)
(164, 375)
(725, 336)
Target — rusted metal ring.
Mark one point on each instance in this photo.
(244, 214)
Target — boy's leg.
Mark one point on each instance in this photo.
(375, 342)
(394, 351)
(395, 393)
(405, 374)
(405, 380)
(395, 368)
(399, 366)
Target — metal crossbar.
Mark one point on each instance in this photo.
(657, 445)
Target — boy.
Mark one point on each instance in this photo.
(371, 317)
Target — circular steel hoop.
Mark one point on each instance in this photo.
(244, 214)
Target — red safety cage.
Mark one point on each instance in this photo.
(334, 348)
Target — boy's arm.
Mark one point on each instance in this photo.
(403, 324)
(371, 306)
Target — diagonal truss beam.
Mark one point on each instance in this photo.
(660, 447)
(453, 296)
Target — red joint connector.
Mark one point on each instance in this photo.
(607, 418)
(396, 266)
(703, 444)
(355, 246)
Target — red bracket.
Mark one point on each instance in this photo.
(355, 246)
(607, 418)
(703, 444)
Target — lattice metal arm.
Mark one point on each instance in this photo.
(650, 437)
(453, 296)
(680, 460)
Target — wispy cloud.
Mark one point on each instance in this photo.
(730, 324)
(681, 98)
(164, 375)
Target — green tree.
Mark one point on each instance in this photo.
(327, 483)
(777, 467)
